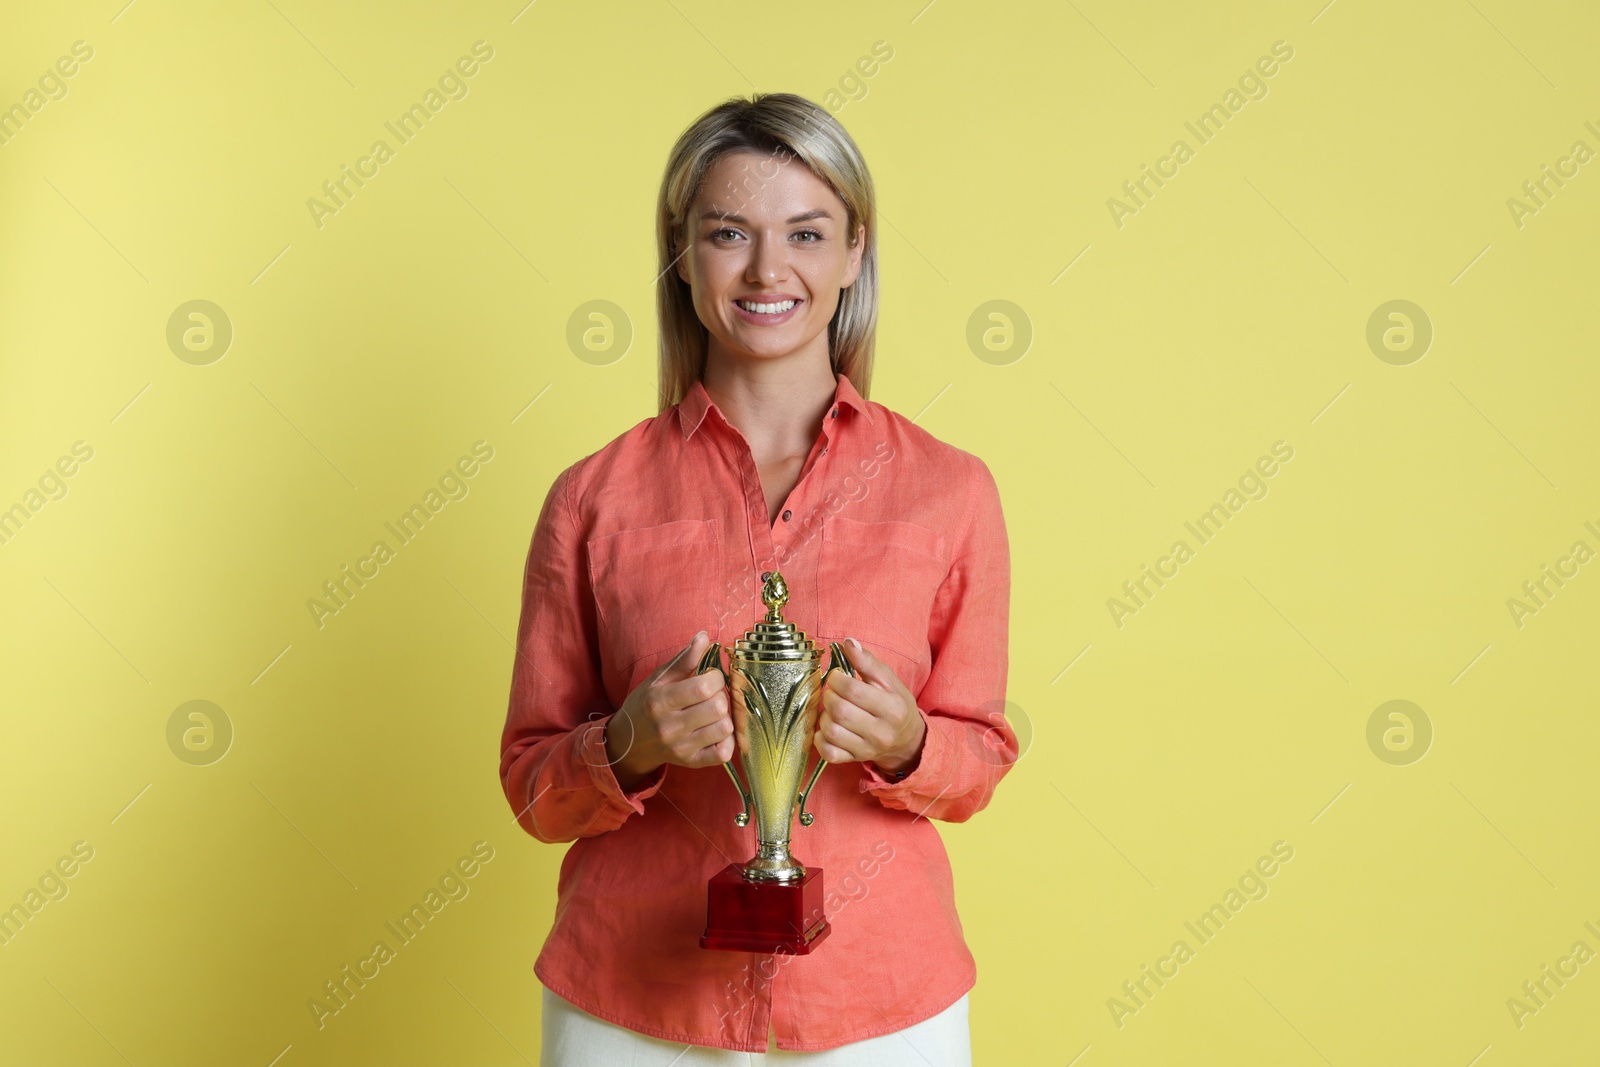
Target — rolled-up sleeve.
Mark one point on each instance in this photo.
(969, 745)
(553, 761)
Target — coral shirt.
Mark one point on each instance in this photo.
(890, 536)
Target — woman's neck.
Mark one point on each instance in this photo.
(777, 405)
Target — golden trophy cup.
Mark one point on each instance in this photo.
(773, 903)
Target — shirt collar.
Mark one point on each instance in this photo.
(696, 402)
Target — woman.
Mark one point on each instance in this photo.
(765, 455)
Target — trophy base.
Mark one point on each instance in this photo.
(745, 916)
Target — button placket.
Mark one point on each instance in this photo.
(737, 453)
(795, 500)
(766, 542)
(756, 512)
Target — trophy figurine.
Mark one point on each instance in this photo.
(773, 903)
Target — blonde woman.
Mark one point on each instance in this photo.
(765, 455)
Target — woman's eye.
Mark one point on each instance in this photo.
(727, 233)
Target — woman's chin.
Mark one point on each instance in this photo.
(769, 349)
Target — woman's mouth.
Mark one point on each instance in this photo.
(766, 313)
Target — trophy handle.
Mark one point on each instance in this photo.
(712, 661)
(836, 661)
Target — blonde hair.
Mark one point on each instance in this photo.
(787, 125)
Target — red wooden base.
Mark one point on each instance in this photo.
(744, 916)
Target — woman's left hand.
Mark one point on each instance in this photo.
(872, 717)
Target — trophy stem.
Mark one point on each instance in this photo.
(774, 862)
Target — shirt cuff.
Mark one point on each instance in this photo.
(918, 778)
(592, 750)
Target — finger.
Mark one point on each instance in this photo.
(836, 744)
(687, 720)
(870, 698)
(870, 667)
(683, 692)
(684, 663)
(711, 755)
(710, 734)
(876, 735)
(855, 737)
(858, 720)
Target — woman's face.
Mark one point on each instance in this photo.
(766, 233)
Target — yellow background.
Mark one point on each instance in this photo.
(1228, 314)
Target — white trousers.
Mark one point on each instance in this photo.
(574, 1038)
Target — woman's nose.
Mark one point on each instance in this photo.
(769, 261)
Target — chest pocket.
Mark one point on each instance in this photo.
(653, 588)
(877, 581)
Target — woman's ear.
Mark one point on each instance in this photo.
(680, 260)
(852, 268)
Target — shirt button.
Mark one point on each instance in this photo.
(786, 516)
(824, 450)
(765, 575)
(835, 413)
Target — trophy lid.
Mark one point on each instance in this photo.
(773, 638)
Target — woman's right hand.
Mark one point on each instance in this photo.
(674, 716)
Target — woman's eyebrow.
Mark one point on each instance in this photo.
(804, 216)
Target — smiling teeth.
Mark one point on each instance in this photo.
(766, 309)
